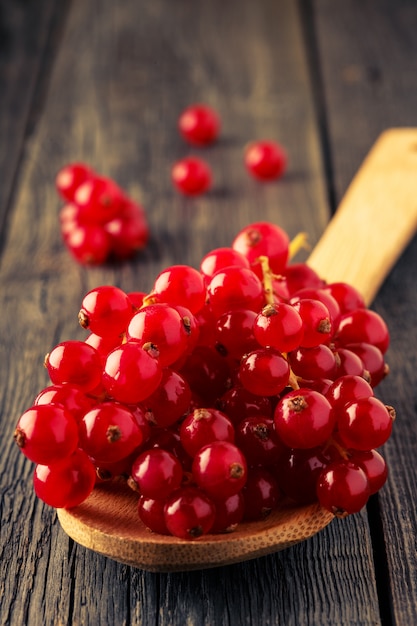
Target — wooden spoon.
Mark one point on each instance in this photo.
(373, 224)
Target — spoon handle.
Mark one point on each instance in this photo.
(376, 218)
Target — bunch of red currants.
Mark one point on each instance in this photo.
(99, 222)
(221, 394)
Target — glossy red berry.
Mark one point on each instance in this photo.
(343, 488)
(66, 483)
(170, 401)
(70, 177)
(105, 311)
(46, 433)
(157, 473)
(151, 513)
(263, 239)
(365, 423)
(374, 466)
(99, 200)
(261, 494)
(199, 124)
(203, 426)
(279, 326)
(363, 325)
(220, 469)
(264, 372)
(109, 433)
(219, 259)
(304, 418)
(265, 160)
(163, 327)
(235, 288)
(74, 362)
(189, 513)
(191, 176)
(131, 374)
(180, 285)
(70, 397)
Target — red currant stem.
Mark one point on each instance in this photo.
(340, 449)
(298, 243)
(149, 299)
(267, 276)
(293, 381)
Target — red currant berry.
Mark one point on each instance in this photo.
(239, 403)
(203, 426)
(66, 483)
(151, 513)
(317, 324)
(70, 397)
(46, 433)
(70, 177)
(298, 471)
(162, 326)
(348, 389)
(170, 401)
(304, 418)
(264, 372)
(89, 244)
(219, 259)
(372, 359)
(180, 285)
(199, 125)
(301, 276)
(347, 297)
(279, 326)
(365, 423)
(257, 439)
(265, 160)
(191, 176)
(374, 466)
(189, 513)
(363, 325)
(220, 469)
(261, 494)
(105, 311)
(99, 200)
(157, 473)
(229, 513)
(234, 333)
(235, 288)
(128, 232)
(343, 488)
(131, 374)
(74, 362)
(263, 239)
(207, 373)
(109, 433)
(312, 363)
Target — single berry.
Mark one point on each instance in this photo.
(199, 125)
(265, 160)
(191, 176)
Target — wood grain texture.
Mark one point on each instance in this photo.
(368, 60)
(121, 74)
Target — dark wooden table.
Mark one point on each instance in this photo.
(104, 82)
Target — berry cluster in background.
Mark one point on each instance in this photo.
(224, 393)
(99, 223)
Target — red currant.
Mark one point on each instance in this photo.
(199, 124)
(105, 311)
(191, 176)
(265, 160)
(220, 469)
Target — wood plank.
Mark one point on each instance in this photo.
(122, 76)
(27, 34)
(368, 61)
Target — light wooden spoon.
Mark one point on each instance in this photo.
(373, 224)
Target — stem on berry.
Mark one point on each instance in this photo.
(267, 277)
(299, 242)
(293, 381)
(20, 437)
(340, 449)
